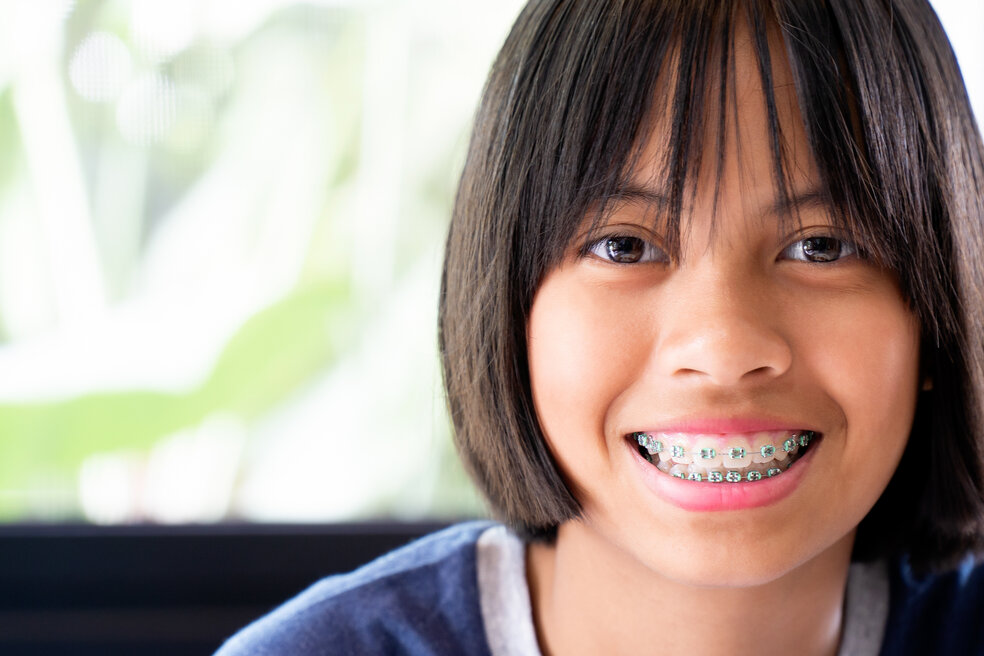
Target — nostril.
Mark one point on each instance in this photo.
(741, 352)
(759, 372)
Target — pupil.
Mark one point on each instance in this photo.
(821, 249)
(624, 249)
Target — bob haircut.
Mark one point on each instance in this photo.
(570, 101)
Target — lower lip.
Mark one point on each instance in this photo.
(708, 497)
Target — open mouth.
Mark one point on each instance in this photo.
(714, 459)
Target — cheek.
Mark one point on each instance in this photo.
(583, 351)
(868, 360)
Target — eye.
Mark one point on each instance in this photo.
(819, 249)
(626, 249)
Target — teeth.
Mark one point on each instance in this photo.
(737, 455)
(742, 459)
(763, 449)
(680, 471)
(678, 449)
(706, 453)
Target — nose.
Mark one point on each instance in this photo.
(723, 329)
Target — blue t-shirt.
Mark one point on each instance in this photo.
(940, 614)
(420, 599)
(424, 599)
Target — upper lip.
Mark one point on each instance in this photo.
(720, 425)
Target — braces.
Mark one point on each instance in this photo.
(653, 446)
(731, 477)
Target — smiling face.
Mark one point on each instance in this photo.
(755, 331)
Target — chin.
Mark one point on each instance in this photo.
(742, 560)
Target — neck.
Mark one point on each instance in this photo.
(634, 610)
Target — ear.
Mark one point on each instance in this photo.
(925, 357)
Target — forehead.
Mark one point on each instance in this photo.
(734, 120)
(742, 146)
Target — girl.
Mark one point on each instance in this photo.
(712, 328)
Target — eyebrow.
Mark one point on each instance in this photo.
(810, 197)
(642, 195)
(806, 198)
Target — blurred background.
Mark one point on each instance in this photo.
(221, 225)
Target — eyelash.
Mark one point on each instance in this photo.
(846, 248)
(601, 248)
(798, 250)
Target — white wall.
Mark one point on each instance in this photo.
(963, 21)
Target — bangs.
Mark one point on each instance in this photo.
(668, 73)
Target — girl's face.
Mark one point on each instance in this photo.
(756, 334)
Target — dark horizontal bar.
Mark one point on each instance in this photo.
(152, 589)
(49, 567)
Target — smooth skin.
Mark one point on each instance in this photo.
(749, 320)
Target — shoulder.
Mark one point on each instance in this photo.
(940, 613)
(420, 599)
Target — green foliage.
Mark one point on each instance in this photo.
(275, 352)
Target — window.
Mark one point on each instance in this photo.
(221, 227)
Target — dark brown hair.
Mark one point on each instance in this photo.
(567, 103)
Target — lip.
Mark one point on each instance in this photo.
(711, 497)
(705, 425)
